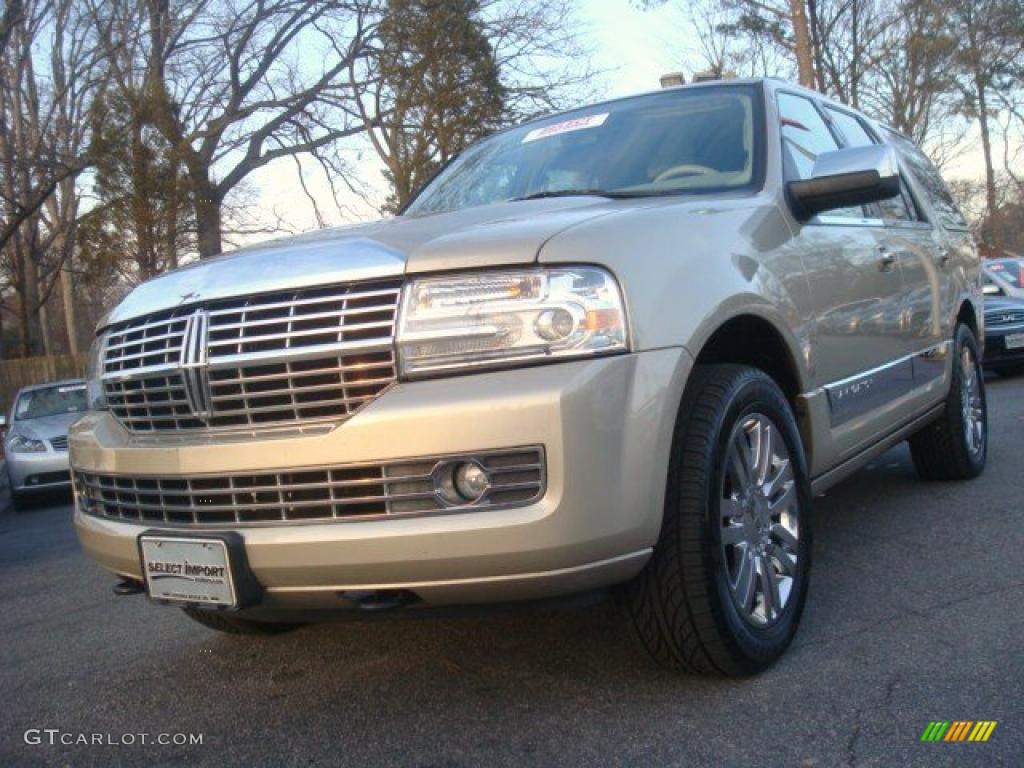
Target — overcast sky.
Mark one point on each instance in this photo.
(633, 47)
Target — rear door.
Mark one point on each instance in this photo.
(902, 232)
(946, 247)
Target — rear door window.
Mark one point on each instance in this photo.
(853, 131)
(928, 176)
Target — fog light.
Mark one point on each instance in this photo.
(460, 483)
(471, 481)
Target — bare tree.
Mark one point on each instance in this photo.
(49, 71)
(233, 85)
(720, 50)
(987, 58)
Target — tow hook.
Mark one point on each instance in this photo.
(128, 587)
(380, 599)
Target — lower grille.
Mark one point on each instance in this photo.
(346, 492)
(49, 478)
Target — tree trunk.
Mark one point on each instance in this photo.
(802, 40)
(68, 297)
(44, 325)
(991, 204)
(207, 205)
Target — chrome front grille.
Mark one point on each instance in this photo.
(59, 443)
(345, 492)
(303, 355)
(1004, 318)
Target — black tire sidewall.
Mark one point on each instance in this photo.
(759, 647)
(965, 337)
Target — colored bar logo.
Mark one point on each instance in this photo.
(959, 730)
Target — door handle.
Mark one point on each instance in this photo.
(887, 260)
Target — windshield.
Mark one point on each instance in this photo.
(63, 398)
(687, 141)
(1009, 270)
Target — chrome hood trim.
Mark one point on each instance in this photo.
(493, 235)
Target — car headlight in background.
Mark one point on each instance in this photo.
(93, 373)
(22, 444)
(493, 319)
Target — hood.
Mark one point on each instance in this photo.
(47, 427)
(997, 304)
(492, 235)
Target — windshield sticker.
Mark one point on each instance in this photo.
(590, 121)
(71, 388)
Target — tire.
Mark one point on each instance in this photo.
(233, 625)
(955, 446)
(683, 605)
(19, 501)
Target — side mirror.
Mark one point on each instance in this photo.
(3, 421)
(846, 177)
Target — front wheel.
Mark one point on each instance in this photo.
(726, 584)
(955, 446)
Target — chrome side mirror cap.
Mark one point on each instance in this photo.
(846, 177)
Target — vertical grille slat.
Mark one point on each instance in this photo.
(314, 354)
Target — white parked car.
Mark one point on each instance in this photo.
(36, 445)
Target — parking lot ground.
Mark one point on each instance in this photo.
(916, 613)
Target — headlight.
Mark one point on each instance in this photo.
(490, 319)
(93, 374)
(21, 444)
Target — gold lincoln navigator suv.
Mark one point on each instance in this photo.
(620, 347)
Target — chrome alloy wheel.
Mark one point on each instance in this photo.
(760, 516)
(972, 405)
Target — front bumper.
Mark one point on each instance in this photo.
(996, 351)
(605, 426)
(43, 471)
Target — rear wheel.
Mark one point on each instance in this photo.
(725, 587)
(955, 446)
(234, 625)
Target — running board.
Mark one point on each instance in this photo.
(839, 473)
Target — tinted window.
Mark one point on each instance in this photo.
(692, 141)
(899, 208)
(854, 134)
(805, 136)
(928, 176)
(38, 403)
(1010, 270)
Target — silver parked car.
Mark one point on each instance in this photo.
(36, 445)
(618, 347)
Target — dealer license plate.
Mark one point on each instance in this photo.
(1014, 340)
(186, 570)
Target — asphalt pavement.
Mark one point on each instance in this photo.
(916, 613)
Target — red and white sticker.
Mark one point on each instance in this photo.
(578, 124)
